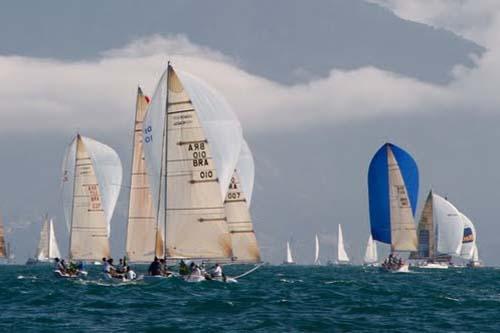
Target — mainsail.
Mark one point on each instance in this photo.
(187, 167)
(237, 205)
(47, 245)
(289, 258)
(91, 184)
(341, 254)
(3, 250)
(468, 239)
(393, 193)
(316, 250)
(142, 232)
(371, 251)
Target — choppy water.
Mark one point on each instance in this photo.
(273, 299)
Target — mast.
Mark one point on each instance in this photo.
(166, 164)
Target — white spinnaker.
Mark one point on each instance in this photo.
(142, 224)
(53, 247)
(449, 226)
(220, 125)
(403, 231)
(43, 242)
(371, 251)
(246, 171)
(341, 254)
(289, 258)
(196, 219)
(467, 250)
(316, 250)
(154, 136)
(108, 169)
(239, 221)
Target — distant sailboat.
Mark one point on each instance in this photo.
(468, 239)
(316, 250)
(289, 258)
(440, 232)
(237, 207)
(393, 193)
(371, 256)
(475, 262)
(192, 142)
(47, 248)
(91, 185)
(4, 250)
(143, 240)
(342, 257)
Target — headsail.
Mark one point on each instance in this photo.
(449, 227)
(393, 193)
(316, 250)
(371, 255)
(289, 258)
(47, 245)
(468, 239)
(95, 182)
(195, 216)
(341, 254)
(141, 228)
(426, 232)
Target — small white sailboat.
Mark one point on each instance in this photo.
(475, 262)
(371, 256)
(316, 251)
(289, 258)
(342, 257)
(92, 175)
(47, 248)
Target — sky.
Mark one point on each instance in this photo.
(317, 87)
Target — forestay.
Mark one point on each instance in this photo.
(468, 239)
(449, 226)
(341, 254)
(141, 227)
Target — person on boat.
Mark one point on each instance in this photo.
(164, 268)
(121, 267)
(183, 268)
(130, 274)
(110, 269)
(59, 266)
(217, 271)
(155, 267)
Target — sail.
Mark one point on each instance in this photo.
(371, 255)
(426, 232)
(246, 171)
(220, 126)
(341, 254)
(393, 193)
(196, 221)
(468, 239)
(96, 183)
(316, 250)
(3, 251)
(239, 221)
(475, 254)
(289, 258)
(47, 245)
(141, 227)
(53, 247)
(449, 227)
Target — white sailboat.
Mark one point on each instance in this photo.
(191, 146)
(316, 251)
(4, 248)
(371, 256)
(475, 262)
(237, 207)
(289, 258)
(141, 243)
(47, 248)
(92, 176)
(342, 257)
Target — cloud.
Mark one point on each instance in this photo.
(48, 94)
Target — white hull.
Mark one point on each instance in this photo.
(62, 275)
(434, 266)
(405, 268)
(193, 278)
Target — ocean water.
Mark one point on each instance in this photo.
(272, 299)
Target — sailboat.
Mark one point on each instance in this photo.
(393, 193)
(192, 142)
(316, 251)
(289, 258)
(371, 256)
(440, 232)
(47, 248)
(4, 248)
(475, 262)
(143, 240)
(92, 176)
(342, 257)
(237, 207)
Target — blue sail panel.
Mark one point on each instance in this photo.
(378, 197)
